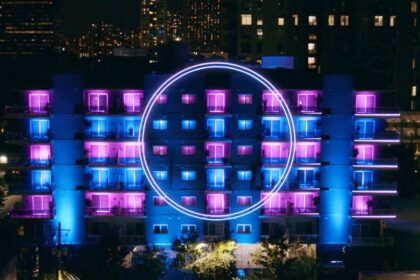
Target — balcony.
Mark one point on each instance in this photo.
(374, 213)
(22, 213)
(29, 163)
(24, 111)
(17, 137)
(109, 135)
(387, 241)
(114, 212)
(384, 112)
(290, 211)
(375, 163)
(116, 186)
(21, 188)
(113, 161)
(113, 110)
(380, 188)
(307, 110)
(217, 211)
(377, 137)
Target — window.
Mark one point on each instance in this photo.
(100, 202)
(244, 200)
(39, 102)
(243, 228)
(344, 20)
(160, 150)
(216, 152)
(132, 153)
(392, 21)
(280, 21)
(378, 21)
(260, 33)
(216, 102)
(98, 102)
(244, 150)
(311, 48)
(99, 128)
(215, 178)
(295, 20)
(188, 200)
(41, 179)
(244, 124)
(270, 103)
(133, 177)
(216, 127)
(98, 152)
(272, 127)
(259, 22)
(160, 124)
(41, 203)
(188, 175)
(365, 103)
(365, 128)
(306, 152)
(244, 175)
(331, 19)
(160, 229)
(40, 154)
(188, 98)
(185, 229)
(312, 37)
(311, 62)
(100, 178)
(161, 175)
(132, 102)
(245, 99)
(413, 63)
(414, 91)
(188, 150)
(312, 21)
(39, 128)
(305, 177)
(365, 153)
(188, 124)
(216, 203)
(246, 19)
(162, 99)
(271, 176)
(306, 128)
(307, 101)
(159, 201)
(363, 179)
(131, 127)
(413, 7)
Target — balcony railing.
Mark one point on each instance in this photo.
(303, 238)
(306, 109)
(21, 111)
(116, 186)
(373, 212)
(373, 162)
(374, 187)
(124, 239)
(21, 188)
(217, 160)
(289, 211)
(300, 160)
(113, 110)
(21, 213)
(113, 161)
(23, 136)
(110, 135)
(372, 241)
(217, 211)
(29, 163)
(386, 135)
(377, 110)
(114, 211)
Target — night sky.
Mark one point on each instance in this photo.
(76, 15)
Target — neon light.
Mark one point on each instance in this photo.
(377, 141)
(226, 66)
(396, 115)
(374, 216)
(376, 166)
(374, 192)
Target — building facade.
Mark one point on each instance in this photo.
(216, 146)
(26, 27)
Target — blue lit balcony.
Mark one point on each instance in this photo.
(17, 137)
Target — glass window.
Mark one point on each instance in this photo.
(306, 177)
(312, 21)
(244, 124)
(365, 129)
(188, 98)
(161, 175)
(392, 21)
(244, 200)
(188, 124)
(365, 103)
(185, 229)
(331, 19)
(216, 102)
(98, 102)
(188, 200)
(378, 21)
(100, 178)
(132, 101)
(99, 128)
(413, 7)
(216, 127)
(271, 176)
(280, 21)
(160, 229)
(160, 124)
(188, 150)
(133, 178)
(344, 20)
(38, 102)
(295, 20)
(259, 22)
(306, 127)
(272, 126)
(160, 150)
(244, 175)
(41, 179)
(131, 127)
(39, 128)
(162, 99)
(245, 99)
(216, 178)
(244, 150)
(246, 19)
(188, 175)
(243, 228)
(159, 201)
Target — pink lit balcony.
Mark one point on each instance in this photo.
(132, 100)
(274, 152)
(217, 101)
(366, 104)
(112, 153)
(97, 101)
(102, 204)
(38, 104)
(308, 102)
(217, 152)
(365, 156)
(368, 206)
(291, 203)
(33, 207)
(217, 203)
(270, 103)
(40, 155)
(308, 152)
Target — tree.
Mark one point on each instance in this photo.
(150, 263)
(276, 261)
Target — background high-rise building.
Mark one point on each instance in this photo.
(26, 27)
(376, 41)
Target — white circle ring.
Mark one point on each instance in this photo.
(226, 66)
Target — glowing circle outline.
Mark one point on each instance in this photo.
(225, 66)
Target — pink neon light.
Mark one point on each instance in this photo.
(376, 166)
(365, 152)
(105, 203)
(216, 100)
(377, 140)
(40, 152)
(307, 101)
(188, 98)
(375, 192)
(117, 150)
(374, 216)
(132, 101)
(160, 150)
(97, 101)
(188, 200)
(217, 203)
(244, 150)
(270, 103)
(289, 202)
(245, 99)
(188, 150)
(38, 101)
(365, 102)
(384, 115)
